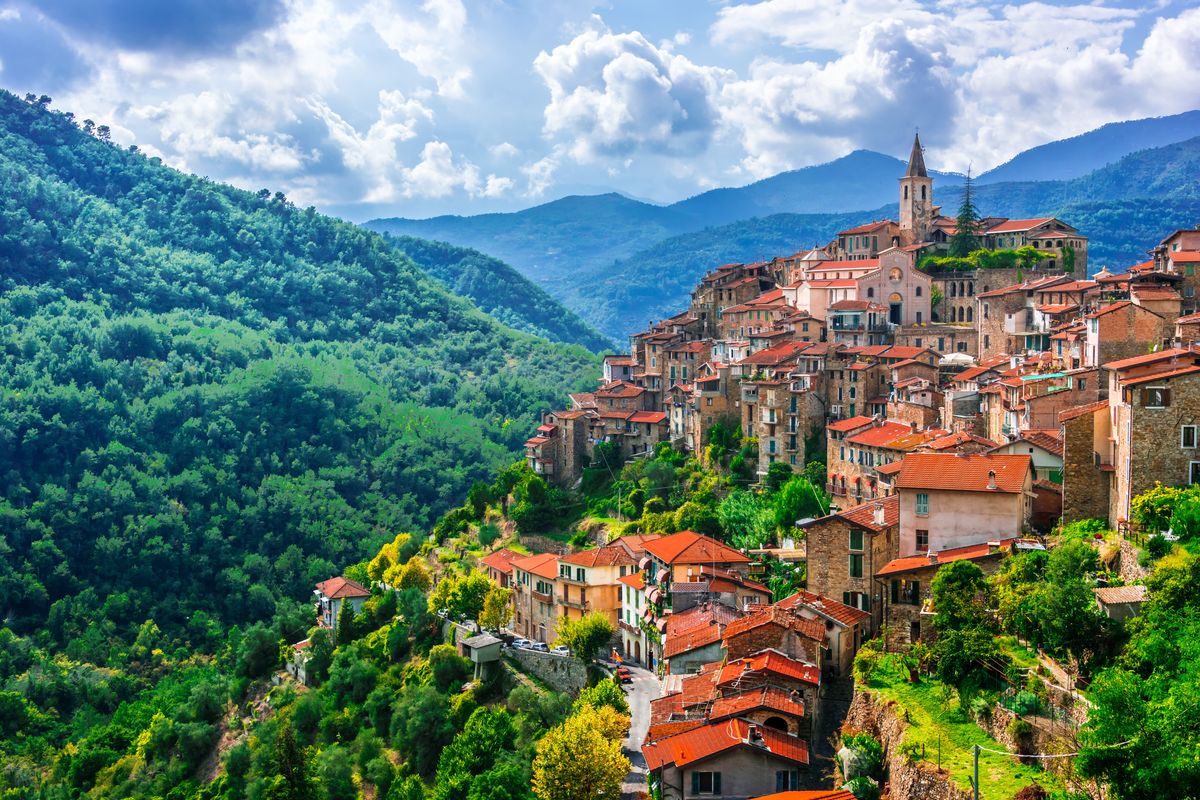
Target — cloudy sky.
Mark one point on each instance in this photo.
(373, 107)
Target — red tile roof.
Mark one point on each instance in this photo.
(776, 354)
(635, 580)
(864, 515)
(776, 615)
(1185, 257)
(653, 417)
(1166, 355)
(1018, 225)
(963, 472)
(338, 587)
(968, 553)
(880, 435)
(501, 560)
(1190, 318)
(771, 661)
(1185, 369)
(663, 730)
(608, 556)
(972, 373)
(544, 565)
(1046, 441)
(692, 639)
(869, 226)
(831, 609)
(716, 737)
(955, 439)
(771, 697)
(1079, 411)
(689, 547)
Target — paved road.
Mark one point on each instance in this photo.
(644, 688)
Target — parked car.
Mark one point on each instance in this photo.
(624, 675)
(561, 650)
(539, 646)
(520, 644)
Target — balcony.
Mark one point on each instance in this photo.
(835, 489)
(582, 605)
(542, 597)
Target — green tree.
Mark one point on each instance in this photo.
(796, 500)
(605, 693)
(347, 631)
(259, 653)
(489, 732)
(585, 635)
(966, 645)
(965, 239)
(421, 726)
(334, 768)
(291, 765)
(448, 667)
(497, 608)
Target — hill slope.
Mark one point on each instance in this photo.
(501, 291)
(209, 397)
(1079, 155)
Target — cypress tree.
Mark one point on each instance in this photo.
(966, 235)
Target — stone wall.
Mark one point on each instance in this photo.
(917, 781)
(562, 673)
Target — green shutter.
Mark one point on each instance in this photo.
(695, 783)
(866, 603)
(780, 781)
(895, 591)
(716, 783)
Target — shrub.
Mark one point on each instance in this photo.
(1026, 702)
(488, 533)
(1019, 729)
(981, 706)
(912, 752)
(862, 789)
(868, 754)
(867, 661)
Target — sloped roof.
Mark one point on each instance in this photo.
(691, 639)
(704, 615)
(689, 547)
(339, 587)
(771, 661)
(963, 472)
(636, 580)
(771, 697)
(831, 609)
(1018, 225)
(544, 565)
(501, 559)
(1079, 411)
(968, 553)
(1150, 358)
(776, 614)
(716, 737)
(864, 515)
(608, 556)
(880, 435)
(1110, 595)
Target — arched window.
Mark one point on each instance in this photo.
(971, 288)
(918, 291)
(953, 289)
(775, 722)
(906, 192)
(922, 192)
(970, 314)
(961, 314)
(962, 288)
(870, 291)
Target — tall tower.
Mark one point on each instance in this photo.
(916, 198)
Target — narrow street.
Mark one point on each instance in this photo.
(644, 688)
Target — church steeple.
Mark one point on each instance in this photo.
(916, 160)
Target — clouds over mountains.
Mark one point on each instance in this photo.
(438, 105)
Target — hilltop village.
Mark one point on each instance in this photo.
(962, 410)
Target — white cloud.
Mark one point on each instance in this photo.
(504, 150)
(431, 41)
(439, 174)
(612, 94)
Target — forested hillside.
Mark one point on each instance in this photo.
(501, 291)
(208, 396)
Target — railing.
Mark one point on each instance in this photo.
(833, 488)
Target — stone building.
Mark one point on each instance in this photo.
(1087, 465)
(1121, 330)
(587, 581)
(535, 586)
(558, 448)
(845, 549)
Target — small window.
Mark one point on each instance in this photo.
(1156, 397)
(856, 536)
(706, 783)
(1187, 437)
(856, 565)
(922, 540)
(1194, 472)
(922, 504)
(787, 780)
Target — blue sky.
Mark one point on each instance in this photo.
(389, 107)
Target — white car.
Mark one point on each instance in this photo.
(520, 644)
(561, 650)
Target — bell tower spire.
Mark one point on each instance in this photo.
(916, 197)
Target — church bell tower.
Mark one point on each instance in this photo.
(916, 198)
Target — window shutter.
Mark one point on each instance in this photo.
(780, 781)
(716, 783)
(1166, 397)
(695, 783)
(1145, 397)
(866, 602)
(845, 598)
(895, 591)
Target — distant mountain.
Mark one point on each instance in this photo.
(862, 179)
(1079, 155)
(501, 291)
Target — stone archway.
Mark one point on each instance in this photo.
(778, 723)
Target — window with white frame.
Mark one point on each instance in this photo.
(1187, 437)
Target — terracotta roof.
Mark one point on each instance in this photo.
(870, 226)
(864, 515)
(635, 580)
(1018, 225)
(968, 553)
(1154, 293)
(501, 559)
(1175, 372)
(608, 556)
(689, 547)
(338, 587)
(825, 283)
(831, 609)
(972, 373)
(1057, 308)
(1184, 257)
(1190, 318)
(771, 661)
(776, 354)
(776, 615)
(1079, 411)
(1181, 353)
(716, 737)
(880, 435)
(708, 614)
(889, 469)
(1118, 306)
(1049, 443)
(544, 565)
(1110, 595)
(1073, 286)
(955, 439)
(652, 417)
(963, 472)
(663, 730)
(698, 689)
(771, 697)
(692, 639)
(536, 441)
(855, 305)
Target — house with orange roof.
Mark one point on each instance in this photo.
(1066, 246)
(1122, 330)
(535, 586)
(1179, 255)
(846, 548)
(1187, 329)
(498, 564)
(558, 447)
(732, 758)
(588, 581)
(907, 580)
(781, 403)
(950, 500)
(776, 627)
(332, 594)
(846, 627)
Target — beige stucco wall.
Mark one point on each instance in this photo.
(958, 519)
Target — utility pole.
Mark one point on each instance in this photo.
(976, 781)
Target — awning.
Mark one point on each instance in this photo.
(654, 594)
(645, 562)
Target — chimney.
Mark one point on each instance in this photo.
(991, 479)
(879, 514)
(933, 557)
(913, 426)
(755, 734)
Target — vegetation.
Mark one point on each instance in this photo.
(1025, 257)
(965, 239)
(585, 636)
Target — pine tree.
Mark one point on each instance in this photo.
(345, 623)
(966, 235)
(291, 764)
